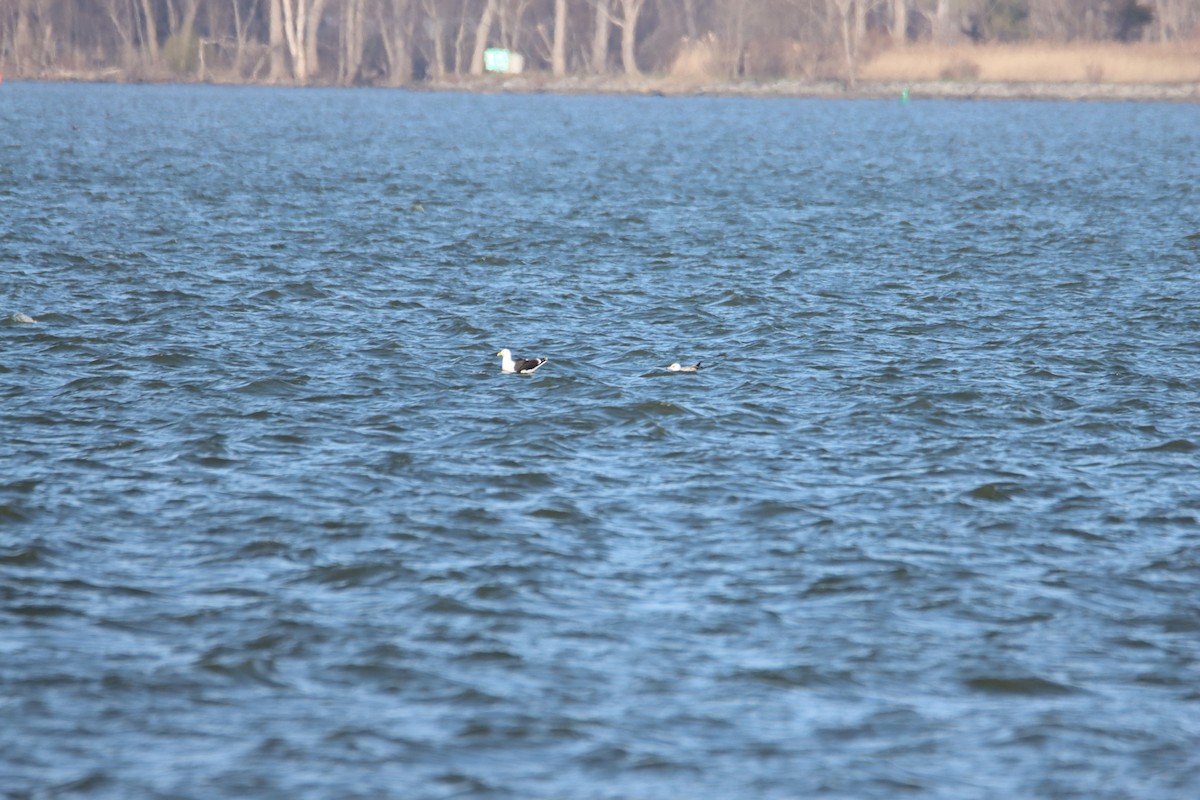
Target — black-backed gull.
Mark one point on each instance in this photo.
(677, 368)
(510, 364)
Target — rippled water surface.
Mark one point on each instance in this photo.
(274, 525)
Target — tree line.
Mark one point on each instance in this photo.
(399, 42)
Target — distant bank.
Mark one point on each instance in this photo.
(1081, 71)
(670, 87)
(863, 89)
(1084, 71)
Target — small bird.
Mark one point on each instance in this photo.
(676, 368)
(524, 365)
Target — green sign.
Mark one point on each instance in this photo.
(495, 59)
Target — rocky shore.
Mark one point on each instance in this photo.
(542, 83)
(915, 90)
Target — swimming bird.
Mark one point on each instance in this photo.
(510, 364)
(676, 368)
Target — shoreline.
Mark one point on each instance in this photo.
(540, 83)
(805, 89)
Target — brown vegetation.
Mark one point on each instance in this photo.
(1086, 62)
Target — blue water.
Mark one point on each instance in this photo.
(273, 524)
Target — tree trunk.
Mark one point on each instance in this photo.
(558, 54)
(295, 22)
(117, 13)
(600, 38)
(22, 41)
(459, 38)
(315, 11)
(276, 42)
(482, 31)
(241, 35)
(942, 25)
(689, 18)
(351, 40)
(188, 25)
(400, 62)
(396, 32)
(849, 40)
(150, 32)
(900, 23)
(630, 9)
(301, 21)
(737, 52)
(437, 35)
(510, 15)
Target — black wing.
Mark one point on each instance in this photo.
(527, 364)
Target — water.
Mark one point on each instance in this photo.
(273, 524)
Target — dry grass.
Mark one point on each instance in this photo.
(1041, 62)
(697, 60)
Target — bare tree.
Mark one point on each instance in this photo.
(944, 27)
(295, 23)
(16, 38)
(630, 11)
(397, 24)
(847, 11)
(301, 21)
(181, 47)
(510, 14)
(120, 13)
(350, 41)
(482, 32)
(1177, 19)
(900, 23)
(600, 33)
(460, 36)
(241, 33)
(558, 52)
(437, 34)
(733, 37)
(278, 68)
(150, 31)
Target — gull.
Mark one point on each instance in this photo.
(524, 365)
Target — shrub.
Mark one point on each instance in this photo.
(960, 69)
(182, 52)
